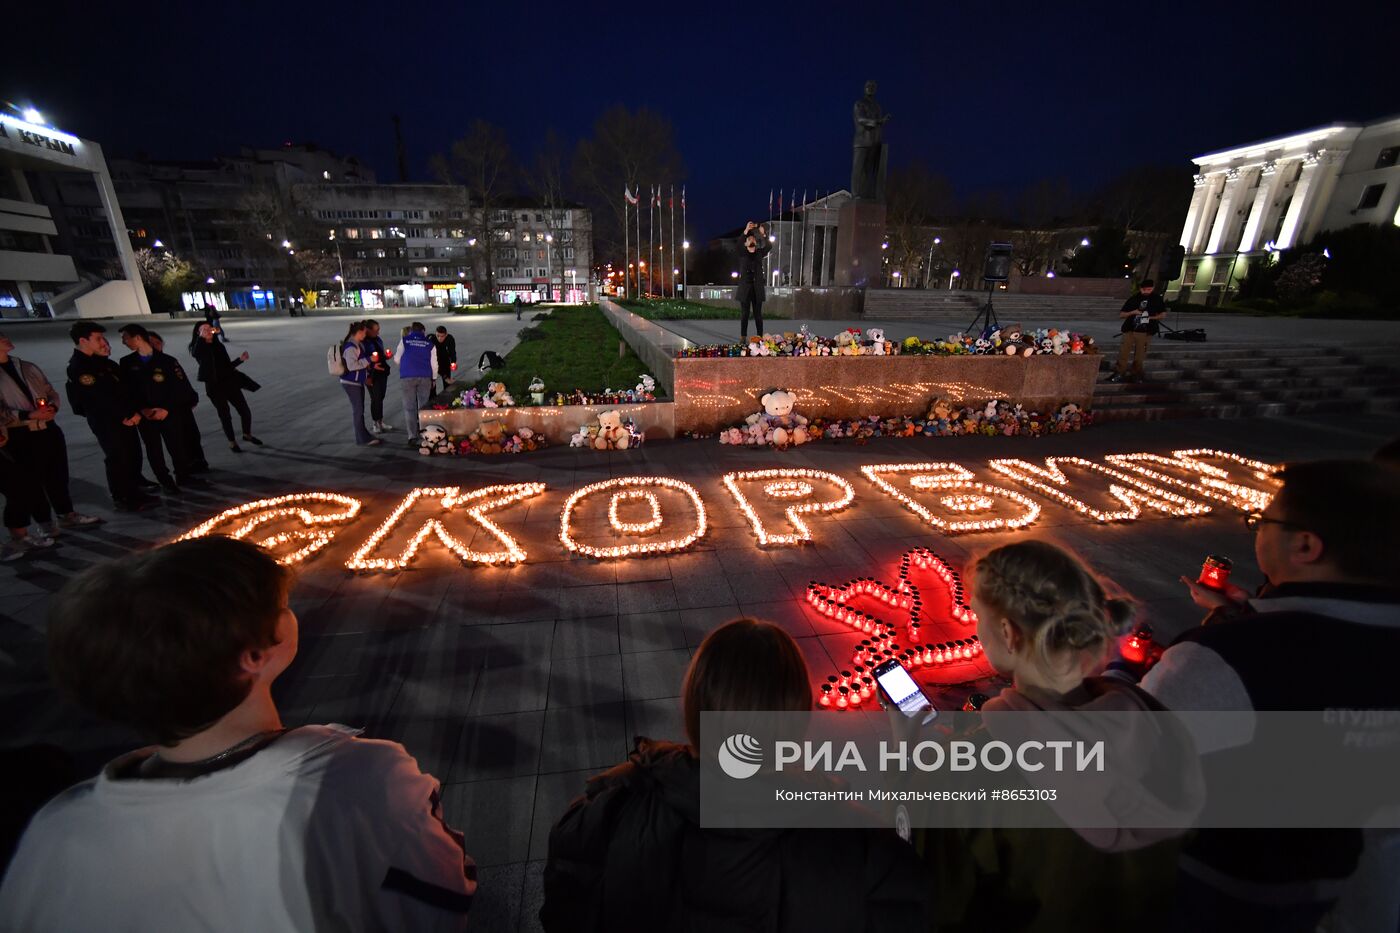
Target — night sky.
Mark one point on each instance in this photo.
(994, 96)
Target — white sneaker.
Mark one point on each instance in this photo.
(78, 520)
(385, 426)
(40, 540)
(50, 528)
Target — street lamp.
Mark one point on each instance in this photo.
(685, 267)
(209, 281)
(549, 265)
(1084, 242)
(157, 244)
(956, 275)
(286, 244)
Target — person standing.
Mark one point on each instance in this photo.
(224, 384)
(212, 317)
(446, 356)
(1140, 315)
(417, 353)
(97, 393)
(377, 381)
(158, 384)
(28, 404)
(750, 294)
(189, 425)
(14, 486)
(357, 365)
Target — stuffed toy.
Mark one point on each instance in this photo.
(647, 386)
(1059, 341)
(1076, 343)
(432, 439)
(778, 418)
(939, 410)
(611, 434)
(1014, 342)
(498, 396)
(876, 336)
(489, 438)
(581, 438)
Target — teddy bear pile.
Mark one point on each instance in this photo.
(490, 437)
(779, 426)
(1011, 340)
(610, 432)
(495, 396)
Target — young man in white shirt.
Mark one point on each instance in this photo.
(231, 821)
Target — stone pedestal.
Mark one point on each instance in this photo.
(859, 232)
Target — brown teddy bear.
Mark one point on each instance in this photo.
(489, 438)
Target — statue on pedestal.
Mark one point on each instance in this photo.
(871, 157)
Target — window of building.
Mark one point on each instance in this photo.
(1387, 156)
(376, 234)
(1217, 277)
(539, 254)
(525, 237)
(539, 218)
(525, 218)
(352, 233)
(1282, 216)
(1189, 276)
(1370, 198)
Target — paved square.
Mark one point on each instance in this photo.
(512, 684)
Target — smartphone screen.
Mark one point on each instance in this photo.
(901, 689)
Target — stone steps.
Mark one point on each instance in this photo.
(1195, 380)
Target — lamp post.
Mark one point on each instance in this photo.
(928, 266)
(685, 268)
(956, 275)
(549, 264)
(341, 263)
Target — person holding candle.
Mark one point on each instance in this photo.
(159, 385)
(632, 846)
(38, 450)
(446, 357)
(353, 380)
(230, 819)
(96, 392)
(1328, 544)
(377, 382)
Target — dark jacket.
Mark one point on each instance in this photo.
(751, 268)
(446, 352)
(158, 382)
(1150, 304)
(217, 370)
(630, 855)
(97, 392)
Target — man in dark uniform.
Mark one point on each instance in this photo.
(1140, 315)
(188, 425)
(159, 386)
(96, 391)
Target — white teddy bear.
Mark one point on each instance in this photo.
(787, 427)
(432, 439)
(877, 337)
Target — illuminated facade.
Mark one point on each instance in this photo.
(1279, 193)
(34, 276)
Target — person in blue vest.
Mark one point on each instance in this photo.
(418, 363)
(354, 378)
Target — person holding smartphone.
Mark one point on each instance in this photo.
(224, 383)
(753, 250)
(1046, 624)
(1140, 315)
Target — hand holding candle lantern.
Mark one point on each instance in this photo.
(1215, 572)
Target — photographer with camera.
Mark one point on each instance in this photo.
(755, 248)
(1140, 315)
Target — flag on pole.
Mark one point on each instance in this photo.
(627, 193)
(770, 203)
(682, 197)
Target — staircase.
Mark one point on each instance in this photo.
(1249, 380)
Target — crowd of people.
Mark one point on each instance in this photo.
(364, 366)
(232, 820)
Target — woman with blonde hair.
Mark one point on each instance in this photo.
(1047, 625)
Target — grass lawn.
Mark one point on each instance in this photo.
(676, 309)
(576, 349)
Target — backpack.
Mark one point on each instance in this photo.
(335, 363)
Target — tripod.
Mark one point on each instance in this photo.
(987, 317)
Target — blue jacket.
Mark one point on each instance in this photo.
(416, 356)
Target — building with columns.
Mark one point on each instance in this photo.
(1279, 193)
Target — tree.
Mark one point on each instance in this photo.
(917, 199)
(628, 150)
(481, 163)
(166, 277)
(1106, 256)
(546, 181)
(1150, 203)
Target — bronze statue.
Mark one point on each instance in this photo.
(871, 157)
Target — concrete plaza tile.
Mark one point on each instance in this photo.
(661, 718)
(553, 794)
(509, 685)
(592, 737)
(642, 569)
(585, 681)
(787, 614)
(492, 747)
(703, 593)
(499, 896)
(575, 638)
(494, 816)
(649, 596)
(698, 622)
(532, 898)
(527, 604)
(650, 674)
(650, 631)
(581, 602)
(760, 587)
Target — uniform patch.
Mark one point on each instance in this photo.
(87, 379)
(157, 376)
